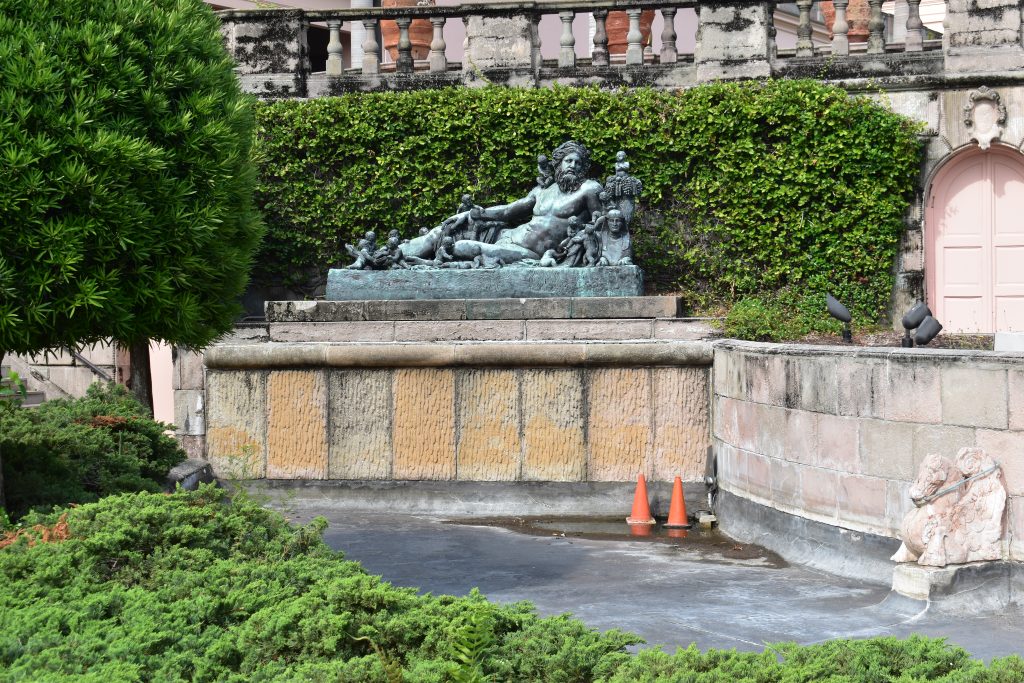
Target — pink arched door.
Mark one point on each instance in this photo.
(974, 232)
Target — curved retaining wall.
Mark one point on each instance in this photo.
(834, 435)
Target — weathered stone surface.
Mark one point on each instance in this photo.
(620, 423)
(188, 475)
(1016, 528)
(855, 387)
(236, 427)
(514, 283)
(940, 439)
(862, 501)
(188, 369)
(886, 449)
(681, 434)
(787, 493)
(499, 43)
(518, 309)
(732, 41)
(553, 425)
(487, 424)
(820, 492)
(371, 331)
(359, 431)
(194, 446)
(190, 412)
(459, 330)
(974, 397)
(908, 392)
(837, 443)
(665, 328)
(1015, 399)
(602, 330)
(296, 424)
(759, 477)
(626, 307)
(424, 424)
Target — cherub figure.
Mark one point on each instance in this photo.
(443, 255)
(390, 255)
(623, 188)
(545, 174)
(574, 245)
(591, 245)
(363, 252)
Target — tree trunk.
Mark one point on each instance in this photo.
(140, 379)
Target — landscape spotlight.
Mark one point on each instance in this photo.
(913, 319)
(927, 330)
(840, 313)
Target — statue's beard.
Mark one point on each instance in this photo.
(568, 181)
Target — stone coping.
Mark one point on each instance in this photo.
(438, 354)
(869, 352)
(475, 309)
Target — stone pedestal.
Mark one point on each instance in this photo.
(972, 587)
(733, 41)
(271, 50)
(498, 283)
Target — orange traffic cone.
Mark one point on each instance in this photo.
(677, 508)
(641, 513)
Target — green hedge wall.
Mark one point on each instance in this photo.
(748, 188)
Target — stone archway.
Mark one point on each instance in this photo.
(974, 241)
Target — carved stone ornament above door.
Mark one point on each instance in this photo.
(984, 116)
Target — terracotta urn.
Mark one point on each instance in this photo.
(420, 31)
(858, 14)
(617, 26)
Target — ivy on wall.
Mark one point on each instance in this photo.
(749, 189)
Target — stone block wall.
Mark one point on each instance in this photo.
(836, 435)
(457, 411)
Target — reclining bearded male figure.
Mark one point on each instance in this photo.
(542, 216)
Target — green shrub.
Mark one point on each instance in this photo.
(196, 586)
(125, 174)
(748, 188)
(779, 317)
(74, 451)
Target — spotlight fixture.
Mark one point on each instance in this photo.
(913, 319)
(840, 313)
(927, 330)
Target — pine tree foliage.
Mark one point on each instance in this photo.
(125, 174)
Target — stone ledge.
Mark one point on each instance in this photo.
(481, 354)
(974, 587)
(551, 308)
(497, 283)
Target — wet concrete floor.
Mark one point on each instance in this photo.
(672, 591)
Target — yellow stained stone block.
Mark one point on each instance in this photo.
(553, 425)
(359, 433)
(621, 420)
(236, 428)
(296, 424)
(681, 433)
(424, 424)
(489, 448)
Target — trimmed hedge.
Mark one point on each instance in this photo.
(748, 188)
(197, 586)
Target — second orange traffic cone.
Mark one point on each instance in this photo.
(677, 508)
(641, 513)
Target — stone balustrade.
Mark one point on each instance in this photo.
(503, 44)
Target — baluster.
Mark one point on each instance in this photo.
(600, 55)
(668, 36)
(535, 57)
(773, 47)
(634, 48)
(840, 29)
(914, 41)
(335, 65)
(567, 55)
(371, 51)
(804, 46)
(876, 25)
(438, 62)
(404, 63)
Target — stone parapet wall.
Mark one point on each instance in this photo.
(576, 412)
(836, 435)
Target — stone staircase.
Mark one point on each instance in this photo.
(31, 399)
